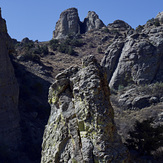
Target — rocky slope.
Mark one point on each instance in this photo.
(138, 58)
(69, 23)
(81, 124)
(9, 92)
(41, 62)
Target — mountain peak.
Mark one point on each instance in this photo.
(69, 23)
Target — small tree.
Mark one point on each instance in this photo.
(145, 138)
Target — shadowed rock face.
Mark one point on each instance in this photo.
(69, 23)
(9, 117)
(81, 125)
(136, 59)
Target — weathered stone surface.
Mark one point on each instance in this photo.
(81, 125)
(9, 117)
(137, 59)
(68, 23)
(92, 21)
(119, 25)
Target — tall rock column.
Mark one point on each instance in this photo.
(68, 23)
(81, 125)
(9, 117)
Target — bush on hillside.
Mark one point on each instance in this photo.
(145, 138)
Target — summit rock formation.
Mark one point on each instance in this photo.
(69, 23)
(81, 124)
(9, 91)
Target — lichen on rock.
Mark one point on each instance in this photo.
(81, 124)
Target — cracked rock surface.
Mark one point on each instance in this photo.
(81, 124)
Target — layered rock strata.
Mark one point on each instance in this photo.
(81, 124)
(9, 91)
(69, 23)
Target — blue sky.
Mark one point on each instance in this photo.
(36, 19)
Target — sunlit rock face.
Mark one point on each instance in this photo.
(138, 58)
(70, 24)
(81, 124)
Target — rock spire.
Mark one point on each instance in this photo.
(81, 125)
(69, 23)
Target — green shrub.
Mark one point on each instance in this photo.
(120, 87)
(54, 44)
(99, 50)
(41, 50)
(28, 45)
(139, 28)
(31, 57)
(151, 21)
(156, 23)
(105, 30)
(145, 138)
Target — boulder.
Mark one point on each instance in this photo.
(81, 124)
(141, 102)
(119, 25)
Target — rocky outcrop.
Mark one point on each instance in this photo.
(137, 59)
(81, 125)
(119, 25)
(9, 117)
(69, 23)
(159, 17)
(92, 21)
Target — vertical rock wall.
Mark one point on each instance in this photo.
(69, 23)
(9, 117)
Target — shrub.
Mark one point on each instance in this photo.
(151, 21)
(41, 50)
(139, 28)
(105, 30)
(54, 44)
(31, 57)
(145, 138)
(99, 50)
(156, 23)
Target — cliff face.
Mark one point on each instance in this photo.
(81, 125)
(9, 91)
(69, 23)
(136, 59)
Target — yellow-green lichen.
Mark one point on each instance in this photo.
(74, 161)
(81, 126)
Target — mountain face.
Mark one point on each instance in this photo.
(69, 23)
(9, 91)
(137, 58)
(81, 124)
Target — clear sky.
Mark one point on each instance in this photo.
(36, 19)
